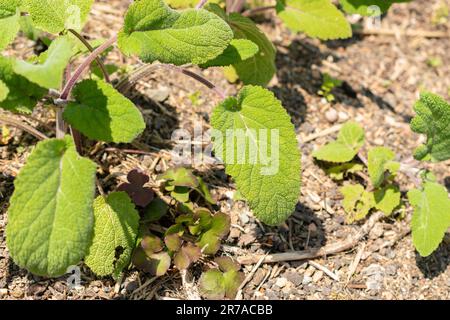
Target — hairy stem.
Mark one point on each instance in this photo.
(99, 61)
(23, 126)
(238, 6)
(199, 78)
(79, 71)
(60, 125)
(124, 85)
(200, 4)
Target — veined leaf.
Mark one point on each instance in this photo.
(431, 217)
(432, 119)
(9, 22)
(22, 94)
(102, 113)
(49, 72)
(387, 199)
(379, 160)
(255, 138)
(368, 7)
(116, 223)
(316, 18)
(154, 31)
(345, 148)
(237, 51)
(50, 218)
(54, 16)
(260, 68)
(357, 202)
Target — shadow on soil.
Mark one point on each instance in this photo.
(298, 67)
(302, 231)
(435, 264)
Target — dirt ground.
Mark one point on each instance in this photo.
(383, 74)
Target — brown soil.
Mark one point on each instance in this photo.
(383, 76)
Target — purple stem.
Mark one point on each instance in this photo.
(77, 74)
(201, 4)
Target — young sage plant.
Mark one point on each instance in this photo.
(56, 218)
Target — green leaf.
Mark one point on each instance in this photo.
(188, 254)
(346, 147)
(116, 223)
(339, 171)
(103, 113)
(156, 264)
(9, 22)
(22, 94)
(151, 244)
(54, 16)
(357, 202)
(379, 160)
(264, 160)
(211, 284)
(154, 31)
(173, 242)
(204, 191)
(317, 18)
(4, 91)
(50, 218)
(433, 120)
(155, 210)
(49, 72)
(431, 217)
(368, 7)
(217, 228)
(26, 26)
(232, 280)
(238, 50)
(387, 199)
(227, 264)
(180, 177)
(260, 68)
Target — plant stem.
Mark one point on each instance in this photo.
(199, 78)
(254, 11)
(238, 5)
(91, 49)
(60, 125)
(145, 70)
(23, 126)
(201, 4)
(79, 71)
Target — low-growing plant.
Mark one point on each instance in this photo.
(55, 219)
(430, 201)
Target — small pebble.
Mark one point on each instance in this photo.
(281, 282)
(306, 280)
(331, 115)
(343, 116)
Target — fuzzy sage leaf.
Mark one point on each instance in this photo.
(102, 113)
(154, 31)
(50, 219)
(262, 127)
(116, 223)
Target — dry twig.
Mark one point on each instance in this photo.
(330, 249)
